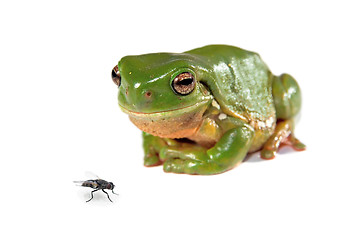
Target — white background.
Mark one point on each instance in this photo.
(60, 118)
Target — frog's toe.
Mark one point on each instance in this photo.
(267, 154)
(299, 146)
(296, 144)
(174, 165)
(164, 153)
(170, 153)
(183, 166)
(151, 161)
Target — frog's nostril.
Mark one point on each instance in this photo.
(148, 94)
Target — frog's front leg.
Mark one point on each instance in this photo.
(228, 152)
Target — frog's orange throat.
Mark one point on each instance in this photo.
(178, 123)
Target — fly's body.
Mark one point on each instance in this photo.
(97, 184)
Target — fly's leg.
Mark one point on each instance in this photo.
(114, 192)
(107, 195)
(283, 134)
(92, 196)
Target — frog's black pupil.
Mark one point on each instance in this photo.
(186, 81)
(114, 75)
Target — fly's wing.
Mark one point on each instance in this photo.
(78, 183)
(91, 175)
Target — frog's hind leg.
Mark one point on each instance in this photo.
(287, 102)
(283, 134)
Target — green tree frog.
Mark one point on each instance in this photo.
(204, 110)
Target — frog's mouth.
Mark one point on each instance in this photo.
(177, 123)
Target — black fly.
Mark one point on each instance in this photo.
(97, 184)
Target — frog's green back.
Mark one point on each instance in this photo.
(239, 80)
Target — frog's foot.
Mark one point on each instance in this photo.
(153, 156)
(190, 160)
(283, 135)
(186, 160)
(152, 146)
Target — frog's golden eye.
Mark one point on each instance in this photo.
(184, 83)
(116, 76)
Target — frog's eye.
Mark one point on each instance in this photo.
(116, 76)
(184, 83)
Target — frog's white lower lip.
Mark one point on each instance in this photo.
(162, 113)
(176, 123)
